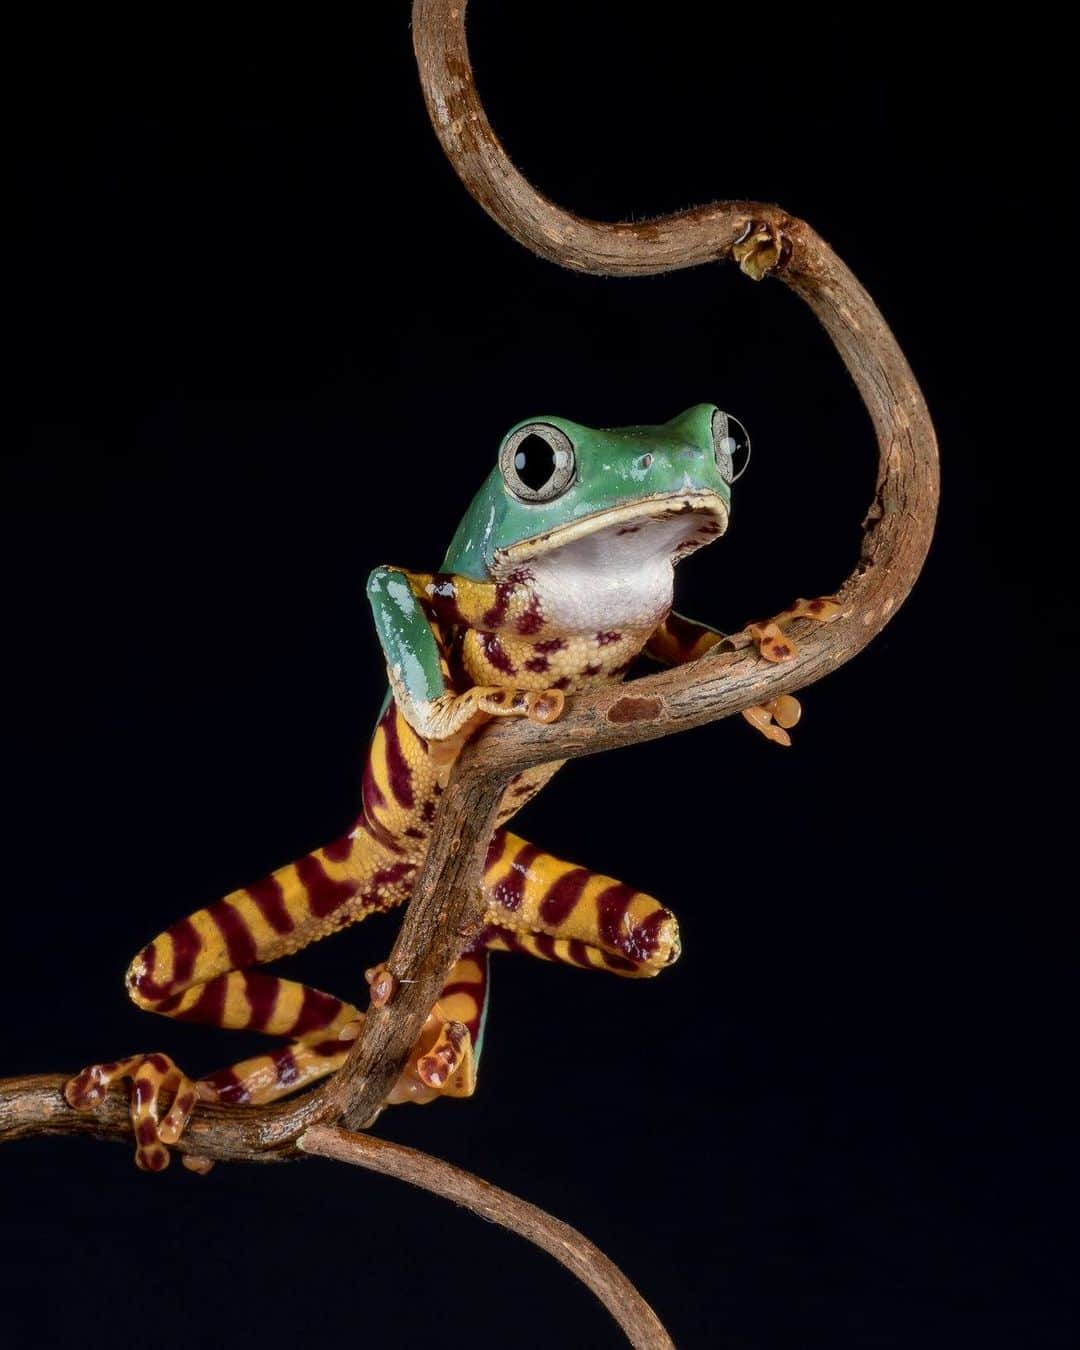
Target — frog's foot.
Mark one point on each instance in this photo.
(442, 1063)
(151, 1076)
(449, 721)
(775, 718)
(773, 643)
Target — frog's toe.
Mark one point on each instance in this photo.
(151, 1075)
(442, 1063)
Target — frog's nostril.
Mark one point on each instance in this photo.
(645, 462)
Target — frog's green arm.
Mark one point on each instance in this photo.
(416, 663)
(406, 636)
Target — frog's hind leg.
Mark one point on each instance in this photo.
(197, 971)
(561, 912)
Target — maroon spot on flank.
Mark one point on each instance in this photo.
(186, 946)
(427, 811)
(495, 654)
(591, 670)
(563, 896)
(562, 683)
(317, 1010)
(816, 606)
(146, 1133)
(270, 900)
(411, 832)
(209, 1008)
(550, 645)
(607, 638)
(323, 892)
(167, 1005)
(184, 1102)
(397, 770)
(442, 596)
(156, 1159)
(340, 849)
(238, 940)
(261, 992)
(532, 620)
(285, 1067)
(537, 664)
(508, 892)
(611, 907)
(159, 1062)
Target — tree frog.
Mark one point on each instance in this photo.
(559, 576)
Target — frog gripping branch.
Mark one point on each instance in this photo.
(558, 578)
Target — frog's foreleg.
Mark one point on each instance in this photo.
(561, 912)
(678, 640)
(405, 606)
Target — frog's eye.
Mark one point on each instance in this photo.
(537, 462)
(731, 445)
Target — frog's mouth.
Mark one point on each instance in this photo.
(672, 523)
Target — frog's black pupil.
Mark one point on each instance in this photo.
(534, 460)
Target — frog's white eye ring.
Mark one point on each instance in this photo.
(731, 446)
(537, 462)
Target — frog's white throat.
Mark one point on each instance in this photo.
(614, 569)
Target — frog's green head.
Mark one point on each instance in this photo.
(634, 490)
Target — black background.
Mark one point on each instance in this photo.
(265, 342)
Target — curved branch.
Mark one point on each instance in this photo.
(641, 1325)
(446, 909)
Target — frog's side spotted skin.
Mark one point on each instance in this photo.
(559, 576)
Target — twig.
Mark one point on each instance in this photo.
(446, 908)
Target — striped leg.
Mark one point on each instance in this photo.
(197, 971)
(562, 912)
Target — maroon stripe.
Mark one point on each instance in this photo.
(317, 1010)
(611, 907)
(397, 770)
(563, 896)
(238, 939)
(340, 849)
(330, 1047)
(209, 1008)
(285, 1065)
(186, 946)
(619, 962)
(385, 876)
(261, 992)
(228, 1086)
(545, 945)
(510, 890)
(324, 893)
(579, 953)
(504, 934)
(495, 849)
(270, 901)
(644, 940)
(144, 983)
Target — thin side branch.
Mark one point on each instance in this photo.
(446, 909)
(641, 1325)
